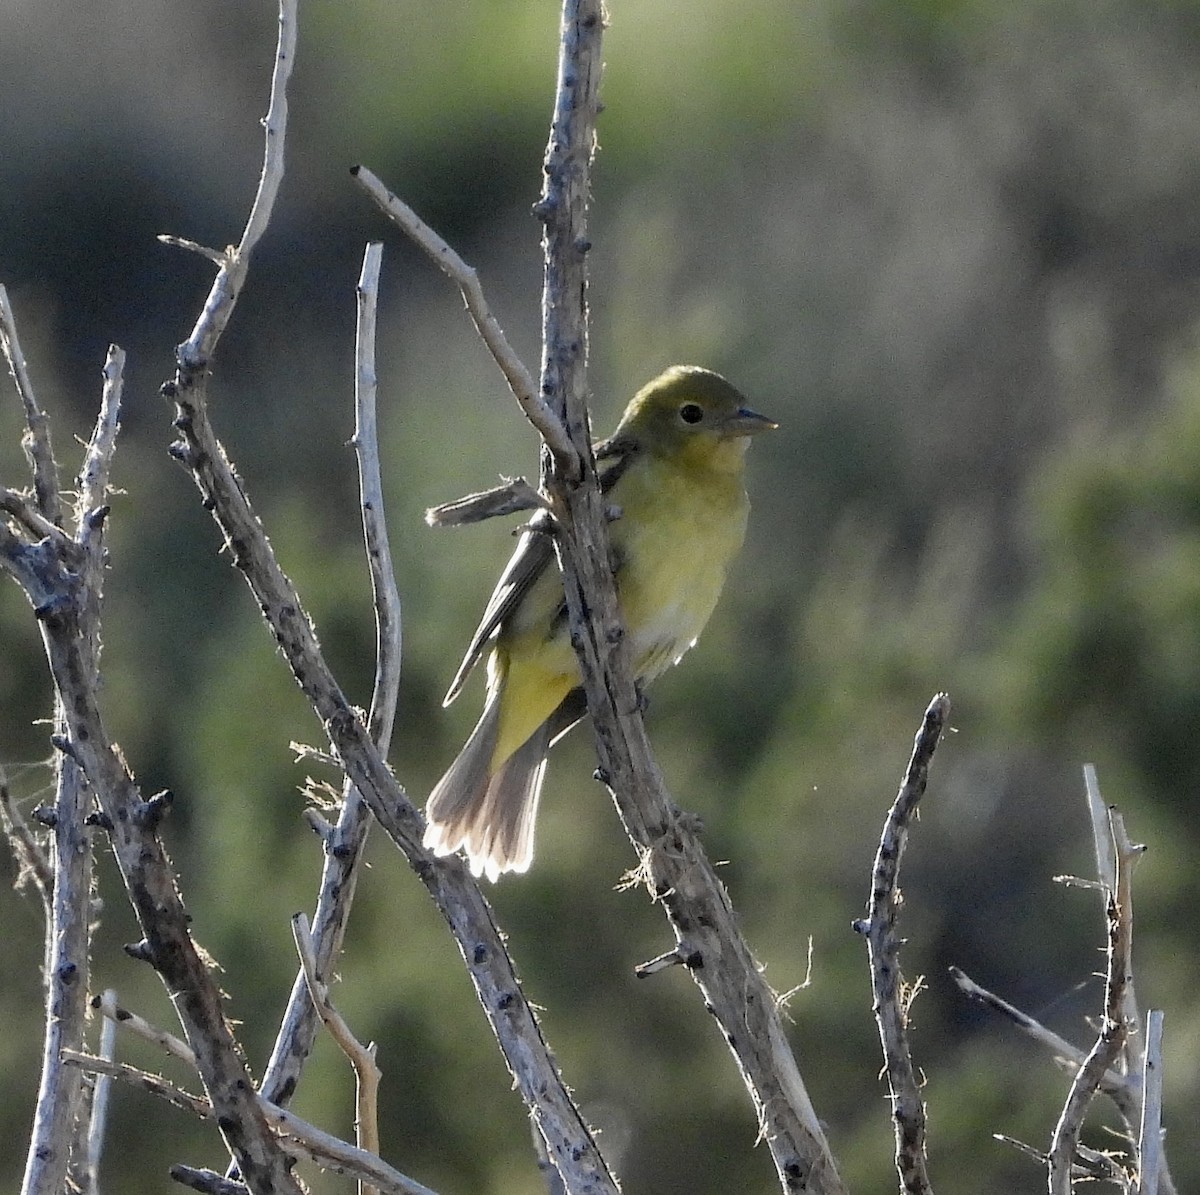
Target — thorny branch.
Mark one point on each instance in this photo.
(883, 949)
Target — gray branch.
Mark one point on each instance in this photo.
(892, 998)
(674, 865)
(59, 1122)
(1110, 1042)
(344, 842)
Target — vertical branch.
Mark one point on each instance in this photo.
(60, 1092)
(345, 841)
(195, 353)
(563, 208)
(1113, 1031)
(386, 596)
(883, 949)
(36, 440)
(1150, 1151)
(66, 983)
(98, 1123)
(678, 873)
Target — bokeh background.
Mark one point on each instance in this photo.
(952, 246)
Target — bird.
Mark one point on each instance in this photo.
(672, 474)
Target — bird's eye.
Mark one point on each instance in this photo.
(691, 412)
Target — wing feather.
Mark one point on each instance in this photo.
(533, 554)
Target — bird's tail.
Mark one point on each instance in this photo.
(489, 816)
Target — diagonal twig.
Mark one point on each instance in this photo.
(520, 381)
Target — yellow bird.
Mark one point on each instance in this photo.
(673, 468)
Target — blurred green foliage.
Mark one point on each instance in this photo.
(952, 246)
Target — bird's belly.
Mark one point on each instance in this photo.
(672, 574)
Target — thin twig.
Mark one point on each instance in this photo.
(97, 461)
(36, 441)
(344, 842)
(98, 1123)
(207, 1182)
(1150, 1151)
(520, 380)
(108, 1006)
(362, 1058)
(304, 1138)
(384, 591)
(510, 498)
(26, 516)
(195, 353)
(1111, 1039)
(1121, 1088)
(892, 999)
(156, 1085)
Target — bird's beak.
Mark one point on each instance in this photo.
(745, 422)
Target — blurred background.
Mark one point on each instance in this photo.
(952, 246)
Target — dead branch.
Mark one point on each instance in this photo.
(1111, 1040)
(883, 948)
(362, 1058)
(675, 866)
(509, 498)
(520, 381)
(344, 842)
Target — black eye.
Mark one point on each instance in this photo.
(691, 412)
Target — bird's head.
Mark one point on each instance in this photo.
(694, 414)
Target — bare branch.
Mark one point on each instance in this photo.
(344, 842)
(509, 498)
(98, 1123)
(674, 865)
(68, 938)
(217, 257)
(195, 353)
(26, 516)
(97, 461)
(77, 571)
(520, 380)
(883, 948)
(36, 441)
(1120, 1087)
(156, 1085)
(304, 1138)
(388, 620)
(1150, 1151)
(1111, 1040)
(456, 895)
(208, 1182)
(362, 1058)
(107, 1005)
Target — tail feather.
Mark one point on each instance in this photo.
(492, 817)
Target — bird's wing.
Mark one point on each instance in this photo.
(613, 457)
(534, 553)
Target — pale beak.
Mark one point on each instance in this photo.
(745, 422)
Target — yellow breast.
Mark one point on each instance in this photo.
(681, 525)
